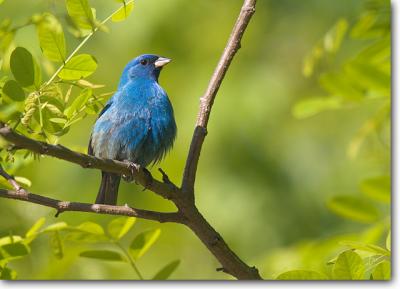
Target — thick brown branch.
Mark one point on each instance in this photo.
(207, 100)
(166, 190)
(64, 206)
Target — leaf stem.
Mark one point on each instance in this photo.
(131, 262)
(80, 45)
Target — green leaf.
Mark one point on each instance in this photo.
(5, 272)
(86, 232)
(366, 247)
(78, 102)
(377, 52)
(369, 76)
(377, 188)
(58, 120)
(55, 227)
(167, 270)
(142, 243)
(10, 239)
(106, 255)
(382, 271)
(338, 84)
(123, 12)
(56, 245)
(23, 181)
(348, 266)
(389, 241)
(14, 250)
(34, 230)
(24, 67)
(10, 111)
(301, 275)
(13, 90)
(79, 66)
(333, 39)
(312, 106)
(353, 208)
(51, 38)
(118, 227)
(81, 13)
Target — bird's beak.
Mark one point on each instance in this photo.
(161, 61)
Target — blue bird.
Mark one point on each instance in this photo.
(137, 124)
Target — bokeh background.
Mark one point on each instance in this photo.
(264, 176)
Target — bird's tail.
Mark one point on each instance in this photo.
(108, 192)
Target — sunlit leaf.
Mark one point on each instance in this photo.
(369, 76)
(123, 12)
(377, 52)
(58, 120)
(312, 106)
(118, 227)
(338, 84)
(5, 272)
(81, 13)
(51, 38)
(377, 188)
(78, 102)
(23, 181)
(366, 247)
(34, 230)
(382, 271)
(106, 255)
(10, 240)
(389, 241)
(142, 243)
(348, 266)
(79, 66)
(333, 39)
(167, 270)
(353, 208)
(13, 90)
(56, 245)
(55, 227)
(87, 232)
(301, 275)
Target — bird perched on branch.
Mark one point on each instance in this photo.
(137, 124)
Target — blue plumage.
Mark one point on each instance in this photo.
(137, 124)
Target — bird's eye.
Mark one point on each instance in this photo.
(143, 62)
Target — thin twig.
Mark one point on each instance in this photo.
(67, 206)
(207, 100)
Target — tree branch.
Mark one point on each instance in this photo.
(207, 101)
(65, 206)
(166, 190)
(183, 197)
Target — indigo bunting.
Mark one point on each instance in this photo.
(137, 124)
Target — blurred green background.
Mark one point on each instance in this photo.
(264, 176)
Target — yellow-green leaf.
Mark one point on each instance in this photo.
(312, 106)
(79, 66)
(377, 188)
(382, 271)
(55, 227)
(122, 13)
(56, 245)
(118, 227)
(167, 270)
(142, 243)
(13, 90)
(33, 231)
(333, 39)
(366, 247)
(354, 208)
(106, 255)
(389, 241)
(301, 275)
(348, 266)
(81, 13)
(78, 102)
(51, 38)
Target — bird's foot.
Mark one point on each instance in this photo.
(133, 168)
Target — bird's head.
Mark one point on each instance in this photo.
(143, 66)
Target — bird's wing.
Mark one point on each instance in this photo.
(107, 106)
